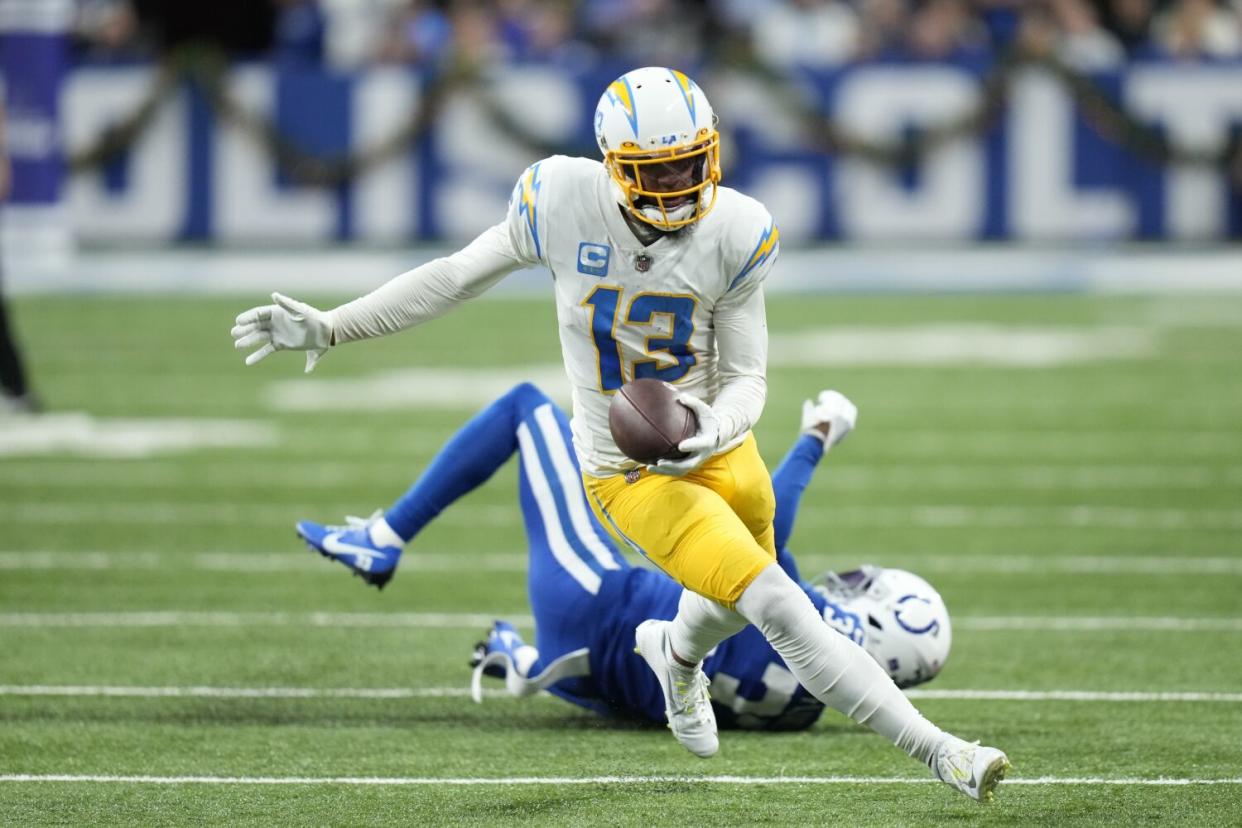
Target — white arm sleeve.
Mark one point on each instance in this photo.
(742, 344)
(429, 290)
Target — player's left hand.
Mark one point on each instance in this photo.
(288, 325)
(829, 418)
(699, 447)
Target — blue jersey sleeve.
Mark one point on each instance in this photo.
(789, 482)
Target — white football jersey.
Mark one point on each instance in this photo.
(627, 311)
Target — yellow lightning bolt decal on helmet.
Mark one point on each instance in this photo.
(687, 90)
(623, 95)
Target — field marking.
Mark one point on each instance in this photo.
(414, 388)
(1074, 695)
(1127, 781)
(319, 475)
(475, 620)
(203, 692)
(937, 516)
(247, 562)
(1118, 623)
(206, 692)
(178, 618)
(80, 433)
(963, 343)
(295, 561)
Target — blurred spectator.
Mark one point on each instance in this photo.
(1082, 42)
(1129, 21)
(741, 15)
(299, 32)
(476, 32)
(808, 33)
(946, 30)
(419, 33)
(1002, 19)
(646, 32)
(106, 28)
(1089, 35)
(883, 27)
(539, 30)
(355, 31)
(1197, 29)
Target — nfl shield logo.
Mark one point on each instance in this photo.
(642, 262)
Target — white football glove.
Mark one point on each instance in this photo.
(288, 325)
(829, 418)
(700, 446)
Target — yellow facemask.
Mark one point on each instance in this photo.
(632, 168)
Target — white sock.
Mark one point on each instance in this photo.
(700, 625)
(833, 668)
(523, 658)
(383, 535)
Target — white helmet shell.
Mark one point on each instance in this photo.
(652, 109)
(653, 115)
(897, 617)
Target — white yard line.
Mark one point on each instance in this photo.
(81, 434)
(959, 343)
(938, 516)
(306, 473)
(477, 620)
(591, 780)
(175, 618)
(1119, 623)
(1074, 696)
(201, 692)
(469, 561)
(245, 562)
(117, 691)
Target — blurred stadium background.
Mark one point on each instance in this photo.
(1011, 235)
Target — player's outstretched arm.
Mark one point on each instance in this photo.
(410, 299)
(287, 325)
(825, 422)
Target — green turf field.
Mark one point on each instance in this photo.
(1082, 518)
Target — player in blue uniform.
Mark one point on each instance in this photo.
(587, 599)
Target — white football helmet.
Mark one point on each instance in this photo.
(661, 147)
(895, 615)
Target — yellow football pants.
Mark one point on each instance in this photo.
(710, 530)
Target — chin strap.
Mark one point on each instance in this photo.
(576, 664)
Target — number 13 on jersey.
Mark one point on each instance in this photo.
(644, 310)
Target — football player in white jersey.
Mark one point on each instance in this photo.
(658, 271)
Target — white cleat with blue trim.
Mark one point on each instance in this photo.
(687, 704)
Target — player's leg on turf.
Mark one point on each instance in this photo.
(569, 555)
(691, 532)
(471, 456)
(742, 479)
(844, 677)
(687, 527)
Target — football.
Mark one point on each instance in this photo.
(648, 423)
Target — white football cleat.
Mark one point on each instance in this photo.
(687, 704)
(971, 769)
